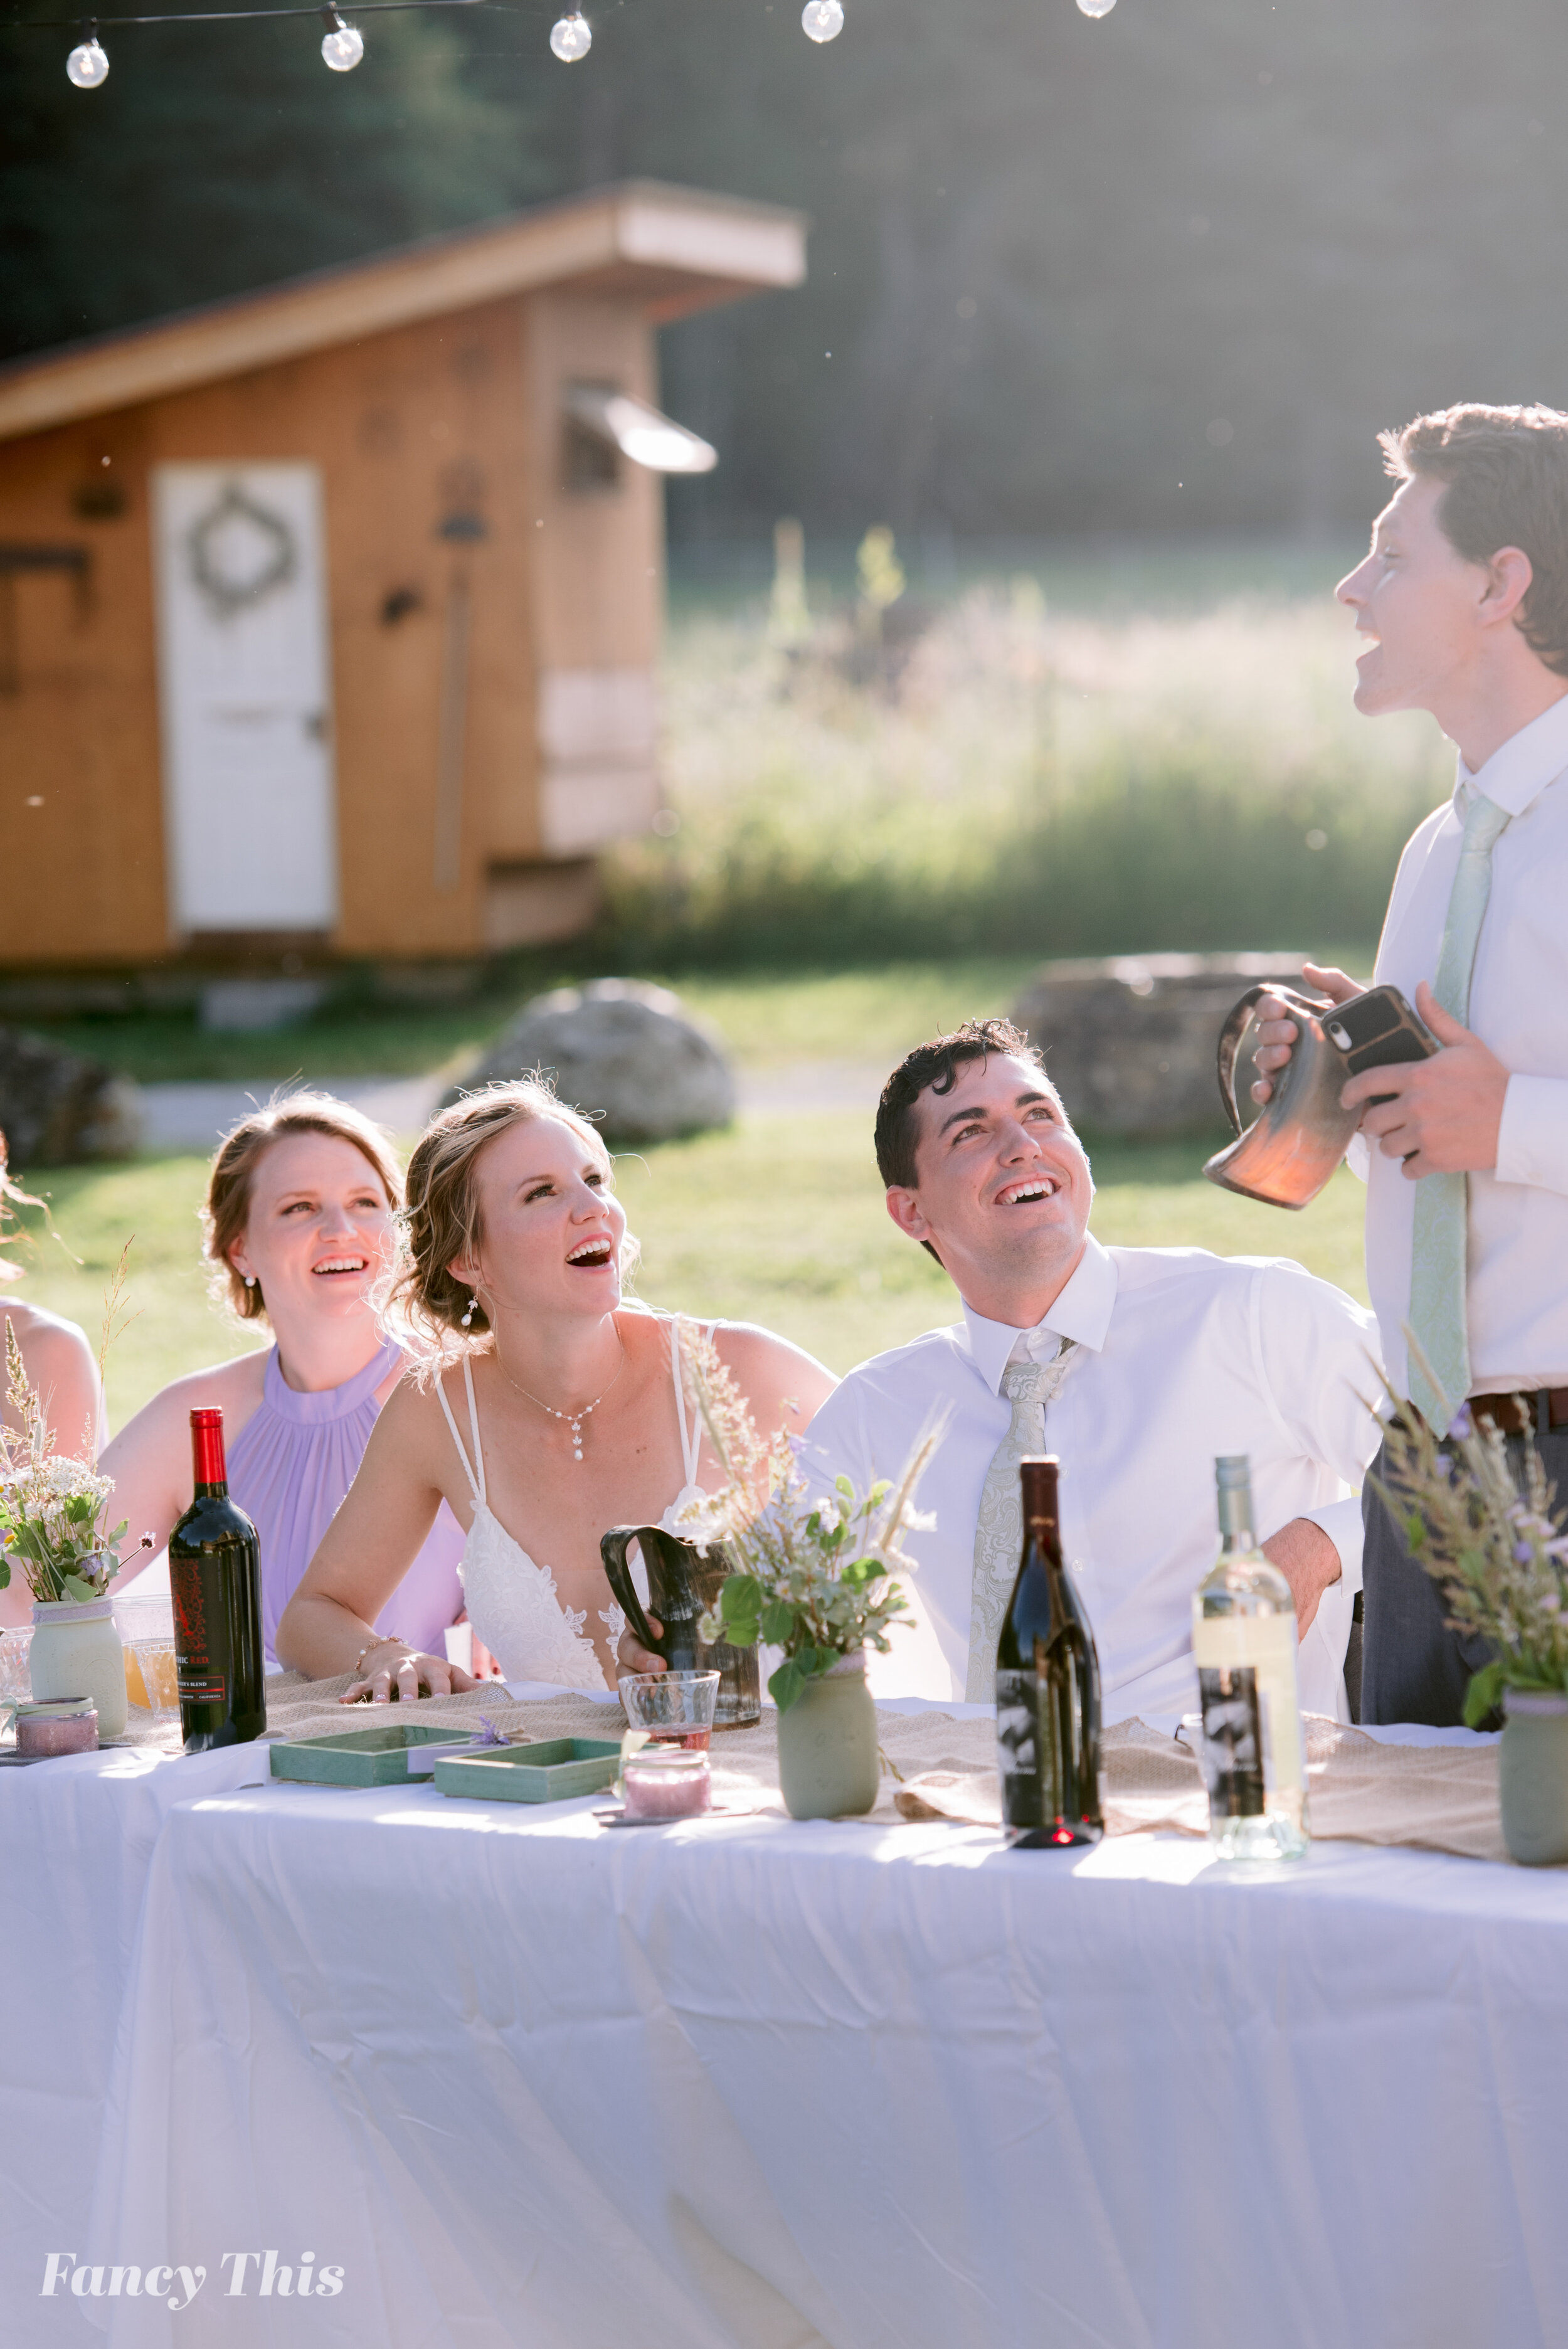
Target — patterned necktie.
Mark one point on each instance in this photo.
(1442, 1201)
(999, 1532)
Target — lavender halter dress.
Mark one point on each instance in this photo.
(289, 1468)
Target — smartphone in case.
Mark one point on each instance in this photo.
(1378, 1030)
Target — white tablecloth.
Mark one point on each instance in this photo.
(527, 2081)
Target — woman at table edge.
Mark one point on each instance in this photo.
(59, 1363)
(299, 1227)
(550, 1408)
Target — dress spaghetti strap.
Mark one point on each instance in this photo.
(476, 1483)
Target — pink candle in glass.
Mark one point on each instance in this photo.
(669, 1783)
(68, 1727)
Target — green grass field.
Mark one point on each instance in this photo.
(779, 1220)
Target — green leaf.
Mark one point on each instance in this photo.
(843, 1485)
(777, 1621)
(740, 1598)
(786, 1684)
(1484, 1692)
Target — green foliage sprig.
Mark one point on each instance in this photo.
(814, 1573)
(1500, 1557)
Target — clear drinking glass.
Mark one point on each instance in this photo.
(146, 1624)
(16, 1681)
(676, 1708)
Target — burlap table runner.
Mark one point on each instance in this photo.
(1433, 1799)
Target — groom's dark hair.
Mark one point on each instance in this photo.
(1504, 472)
(933, 1069)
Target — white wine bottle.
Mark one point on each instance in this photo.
(1244, 1645)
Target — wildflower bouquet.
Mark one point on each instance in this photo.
(1497, 1551)
(813, 1573)
(51, 1509)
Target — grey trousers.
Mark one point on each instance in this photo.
(1413, 1667)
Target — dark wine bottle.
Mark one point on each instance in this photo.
(215, 1576)
(1048, 1687)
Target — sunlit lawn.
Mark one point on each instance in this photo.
(779, 1220)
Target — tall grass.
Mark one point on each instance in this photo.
(1021, 778)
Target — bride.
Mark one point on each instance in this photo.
(563, 1413)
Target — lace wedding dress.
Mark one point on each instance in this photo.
(512, 1603)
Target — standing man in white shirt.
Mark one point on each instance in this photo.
(1137, 1365)
(1463, 601)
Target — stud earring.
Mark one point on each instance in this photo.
(250, 1280)
(469, 1314)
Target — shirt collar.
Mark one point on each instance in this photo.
(1518, 770)
(1082, 1311)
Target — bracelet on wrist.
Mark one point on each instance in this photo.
(387, 1639)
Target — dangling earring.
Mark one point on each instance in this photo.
(250, 1280)
(469, 1316)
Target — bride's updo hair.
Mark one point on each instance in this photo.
(440, 1221)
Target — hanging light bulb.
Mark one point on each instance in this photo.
(570, 38)
(821, 20)
(1095, 7)
(87, 64)
(343, 45)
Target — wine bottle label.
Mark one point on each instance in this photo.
(1017, 1741)
(189, 1611)
(203, 1688)
(1265, 1645)
(1235, 1744)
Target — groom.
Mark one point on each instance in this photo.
(1136, 1365)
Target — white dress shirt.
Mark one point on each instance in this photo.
(1183, 1355)
(1517, 1290)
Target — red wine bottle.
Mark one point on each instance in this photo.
(215, 1575)
(1048, 1687)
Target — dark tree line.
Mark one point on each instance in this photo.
(1169, 270)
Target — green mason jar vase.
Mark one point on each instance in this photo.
(77, 1652)
(1533, 1773)
(827, 1761)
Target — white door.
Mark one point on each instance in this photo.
(246, 696)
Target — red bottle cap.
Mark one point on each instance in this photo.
(207, 1447)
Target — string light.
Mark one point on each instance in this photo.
(570, 38)
(87, 64)
(343, 45)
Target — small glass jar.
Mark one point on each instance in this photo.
(664, 1782)
(63, 1725)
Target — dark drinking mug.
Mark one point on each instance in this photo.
(684, 1582)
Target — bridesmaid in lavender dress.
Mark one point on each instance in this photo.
(299, 1227)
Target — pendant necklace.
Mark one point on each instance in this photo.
(573, 1419)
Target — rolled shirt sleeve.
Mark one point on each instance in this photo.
(1533, 1139)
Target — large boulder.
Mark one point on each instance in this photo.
(57, 1110)
(625, 1052)
(1130, 1043)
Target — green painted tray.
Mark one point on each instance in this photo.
(369, 1757)
(550, 1772)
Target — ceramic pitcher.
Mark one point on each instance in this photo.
(1298, 1138)
(682, 1582)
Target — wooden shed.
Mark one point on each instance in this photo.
(329, 615)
